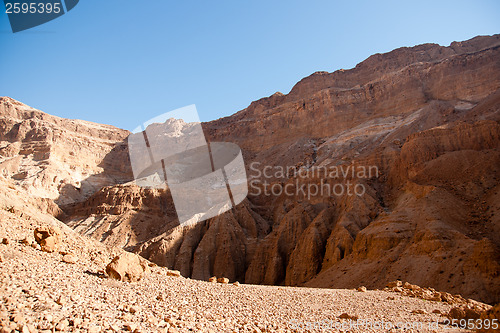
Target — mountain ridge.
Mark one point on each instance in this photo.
(429, 217)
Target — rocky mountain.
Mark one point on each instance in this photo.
(386, 171)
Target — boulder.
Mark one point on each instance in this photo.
(223, 280)
(49, 238)
(127, 267)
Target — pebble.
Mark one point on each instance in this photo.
(362, 289)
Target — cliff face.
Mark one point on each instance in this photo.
(60, 159)
(423, 122)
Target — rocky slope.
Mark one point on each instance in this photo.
(425, 119)
(46, 292)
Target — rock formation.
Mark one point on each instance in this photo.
(426, 120)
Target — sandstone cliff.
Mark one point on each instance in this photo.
(427, 118)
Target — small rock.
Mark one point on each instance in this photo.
(348, 316)
(61, 301)
(24, 329)
(17, 318)
(5, 241)
(436, 311)
(446, 297)
(213, 279)
(62, 325)
(1, 258)
(130, 327)
(236, 283)
(362, 289)
(114, 328)
(394, 284)
(472, 314)
(133, 310)
(436, 297)
(94, 329)
(173, 273)
(77, 322)
(456, 313)
(418, 311)
(26, 241)
(49, 238)
(127, 267)
(223, 280)
(69, 258)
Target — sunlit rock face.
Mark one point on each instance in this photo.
(405, 147)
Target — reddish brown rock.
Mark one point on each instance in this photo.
(487, 320)
(49, 238)
(127, 267)
(427, 117)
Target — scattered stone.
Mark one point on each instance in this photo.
(173, 273)
(223, 280)
(114, 328)
(126, 267)
(362, 289)
(447, 297)
(49, 238)
(456, 313)
(77, 322)
(5, 241)
(62, 325)
(236, 283)
(133, 310)
(394, 284)
(213, 279)
(471, 313)
(348, 316)
(418, 311)
(61, 300)
(94, 329)
(26, 241)
(69, 258)
(130, 327)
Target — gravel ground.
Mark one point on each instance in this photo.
(39, 292)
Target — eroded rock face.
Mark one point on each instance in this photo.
(127, 267)
(60, 159)
(428, 119)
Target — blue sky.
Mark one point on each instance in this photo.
(124, 62)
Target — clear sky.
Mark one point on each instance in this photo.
(123, 62)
